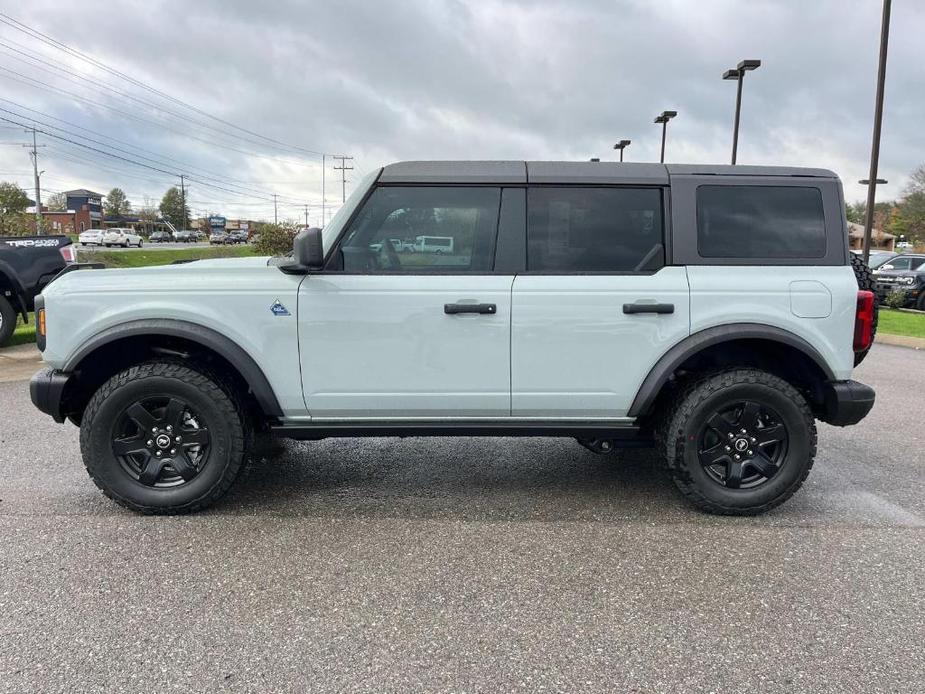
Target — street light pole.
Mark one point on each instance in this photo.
(878, 122)
(663, 119)
(738, 74)
(621, 145)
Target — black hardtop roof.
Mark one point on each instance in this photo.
(513, 172)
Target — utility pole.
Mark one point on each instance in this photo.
(306, 216)
(878, 122)
(34, 155)
(323, 158)
(275, 216)
(343, 168)
(183, 198)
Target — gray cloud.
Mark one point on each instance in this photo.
(488, 79)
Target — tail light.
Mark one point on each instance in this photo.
(69, 253)
(864, 321)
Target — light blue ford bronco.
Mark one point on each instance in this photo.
(712, 311)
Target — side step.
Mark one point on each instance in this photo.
(622, 435)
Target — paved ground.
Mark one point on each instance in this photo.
(470, 565)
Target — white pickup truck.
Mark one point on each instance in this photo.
(712, 311)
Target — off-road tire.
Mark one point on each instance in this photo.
(7, 320)
(230, 436)
(865, 280)
(681, 426)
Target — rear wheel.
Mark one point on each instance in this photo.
(7, 320)
(739, 442)
(163, 438)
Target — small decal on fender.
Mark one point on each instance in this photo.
(279, 310)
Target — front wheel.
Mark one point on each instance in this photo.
(163, 438)
(7, 320)
(739, 442)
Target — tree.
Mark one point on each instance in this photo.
(275, 239)
(172, 208)
(57, 202)
(13, 204)
(117, 205)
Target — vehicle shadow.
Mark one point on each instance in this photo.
(457, 478)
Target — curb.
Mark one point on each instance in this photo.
(900, 341)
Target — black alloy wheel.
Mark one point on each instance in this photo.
(161, 441)
(743, 445)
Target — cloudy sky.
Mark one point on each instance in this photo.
(478, 79)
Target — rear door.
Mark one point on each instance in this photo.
(391, 332)
(597, 306)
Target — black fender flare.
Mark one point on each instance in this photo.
(242, 361)
(16, 287)
(691, 345)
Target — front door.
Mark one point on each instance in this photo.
(597, 307)
(399, 328)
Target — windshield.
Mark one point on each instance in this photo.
(878, 259)
(333, 228)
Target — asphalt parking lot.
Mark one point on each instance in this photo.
(388, 565)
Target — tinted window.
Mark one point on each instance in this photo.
(760, 222)
(594, 229)
(424, 229)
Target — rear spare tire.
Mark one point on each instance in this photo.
(865, 280)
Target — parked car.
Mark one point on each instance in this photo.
(121, 237)
(218, 238)
(434, 244)
(160, 237)
(577, 303)
(236, 237)
(90, 237)
(186, 236)
(27, 265)
(902, 272)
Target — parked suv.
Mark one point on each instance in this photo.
(904, 273)
(714, 312)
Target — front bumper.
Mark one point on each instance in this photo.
(47, 390)
(846, 402)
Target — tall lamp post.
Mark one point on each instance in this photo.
(878, 122)
(738, 74)
(663, 119)
(621, 145)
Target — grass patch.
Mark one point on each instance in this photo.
(23, 333)
(147, 258)
(901, 323)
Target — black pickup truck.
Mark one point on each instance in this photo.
(27, 264)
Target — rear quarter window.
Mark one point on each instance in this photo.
(760, 222)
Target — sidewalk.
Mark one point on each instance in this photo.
(900, 340)
(19, 363)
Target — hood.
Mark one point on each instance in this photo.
(198, 275)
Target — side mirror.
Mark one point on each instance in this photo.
(307, 252)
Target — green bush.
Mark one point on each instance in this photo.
(274, 239)
(897, 298)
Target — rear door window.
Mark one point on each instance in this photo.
(760, 222)
(572, 229)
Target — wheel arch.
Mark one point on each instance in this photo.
(737, 343)
(177, 337)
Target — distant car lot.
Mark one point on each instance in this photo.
(471, 564)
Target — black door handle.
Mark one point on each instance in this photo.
(452, 309)
(640, 307)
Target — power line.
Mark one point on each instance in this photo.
(54, 43)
